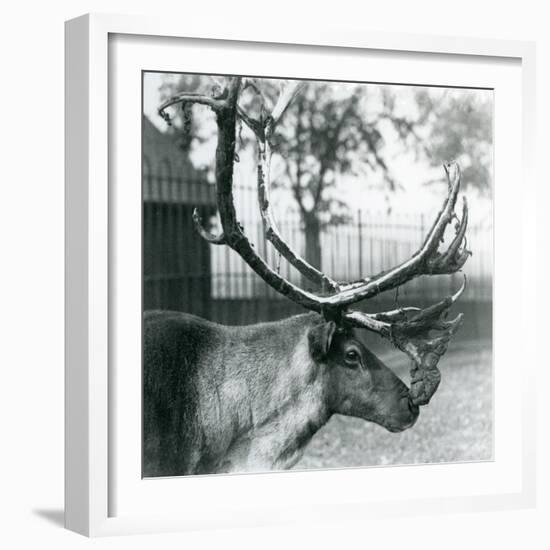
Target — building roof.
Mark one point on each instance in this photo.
(168, 174)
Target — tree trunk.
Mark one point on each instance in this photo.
(312, 229)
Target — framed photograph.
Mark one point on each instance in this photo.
(289, 261)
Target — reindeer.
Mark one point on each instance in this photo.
(250, 398)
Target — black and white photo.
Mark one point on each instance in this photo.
(317, 273)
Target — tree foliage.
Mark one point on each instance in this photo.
(327, 134)
(458, 127)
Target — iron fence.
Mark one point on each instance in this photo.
(183, 272)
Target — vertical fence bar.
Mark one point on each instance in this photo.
(360, 239)
(175, 271)
(157, 220)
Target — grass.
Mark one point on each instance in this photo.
(456, 426)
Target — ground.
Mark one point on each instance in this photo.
(456, 426)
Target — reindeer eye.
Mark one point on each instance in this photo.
(352, 356)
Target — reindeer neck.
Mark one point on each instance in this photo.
(287, 407)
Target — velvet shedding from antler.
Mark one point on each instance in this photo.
(423, 334)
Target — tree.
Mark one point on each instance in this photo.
(460, 128)
(325, 135)
(449, 125)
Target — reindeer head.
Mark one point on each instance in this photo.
(423, 334)
(357, 382)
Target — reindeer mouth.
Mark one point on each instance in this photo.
(413, 412)
(403, 420)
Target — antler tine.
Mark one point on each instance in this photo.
(271, 230)
(206, 235)
(190, 97)
(412, 336)
(272, 234)
(226, 109)
(426, 261)
(263, 131)
(288, 92)
(453, 258)
(233, 234)
(264, 128)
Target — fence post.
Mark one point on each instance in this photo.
(237, 293)
(360, 234)
(422, 229)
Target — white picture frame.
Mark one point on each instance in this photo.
(92, 219)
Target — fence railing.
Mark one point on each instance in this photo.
(368, 243)
(182, 270)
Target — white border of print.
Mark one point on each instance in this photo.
(105, 55)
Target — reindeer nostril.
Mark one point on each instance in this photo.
(413, 409)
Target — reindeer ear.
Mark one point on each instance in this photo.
(320, 338)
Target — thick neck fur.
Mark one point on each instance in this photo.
(271, 399)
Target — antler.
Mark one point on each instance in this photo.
(408, 329)
(288, 92)
(427, 260)
(412, 336)
(263, 129)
